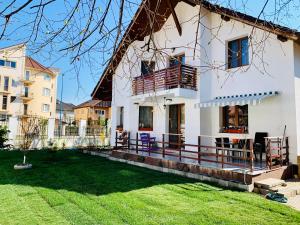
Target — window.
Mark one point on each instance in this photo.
(4, 102)
(120, 111)
(6, 83)
(8, 63)
(46, 107)
(14, 83)
(147, 67)
(100, 112)
(238, 53)
(46, 92)
(27, 75)
(13, 98)
(235, 119)
(26, 91)
(146, 118)
(25, 109)
(47, 77)
(176, 60)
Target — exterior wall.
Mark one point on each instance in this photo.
(35, 106)
(15, 54)
(271, 69)
(130, 66)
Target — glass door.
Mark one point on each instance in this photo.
(176, 125)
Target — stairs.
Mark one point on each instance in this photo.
(288, 189)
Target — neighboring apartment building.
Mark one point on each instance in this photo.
(92, 110)
(239, 76)
(27, 87)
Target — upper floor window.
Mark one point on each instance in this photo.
(238, 54)
(46, 92)
(8, 63)
(100, 112)
(46, 108)
(176, 60)
(4, 102)
(6, 83)
(147, 67)
(27, 75)
(47, 77)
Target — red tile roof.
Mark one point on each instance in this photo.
(31, 63)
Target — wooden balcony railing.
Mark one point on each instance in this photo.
(179, 76)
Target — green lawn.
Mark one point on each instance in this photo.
(73, 188)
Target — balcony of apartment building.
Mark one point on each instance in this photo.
(177, 80)
(27, 80)
(26, 95)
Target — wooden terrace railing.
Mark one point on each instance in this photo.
(205, 153)
(179, 76)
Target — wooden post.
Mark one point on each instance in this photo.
(199, 149)
(137, 143)
(149, 145)
(179, 75)
(116, 140)
(251, 155)
(128, 141)
(163, 145)
(222, 159)
(287, 157)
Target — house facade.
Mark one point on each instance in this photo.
(220, 74)
(27, 87)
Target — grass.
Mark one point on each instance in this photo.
(72, 188)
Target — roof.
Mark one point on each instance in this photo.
(94, 103)
(64, 106)
(140, 27)
(33, 64)
(20, 45)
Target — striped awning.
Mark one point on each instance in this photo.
(242, 99)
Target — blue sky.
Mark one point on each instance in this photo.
(80, 80)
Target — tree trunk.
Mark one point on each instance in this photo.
(24, 159)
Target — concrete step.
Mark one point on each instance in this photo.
(269, 183)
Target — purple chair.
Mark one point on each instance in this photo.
(147, 142)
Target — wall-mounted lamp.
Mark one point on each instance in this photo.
(165, 101)
(136, 103)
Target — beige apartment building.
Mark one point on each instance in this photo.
(26, 86)
(92, 110)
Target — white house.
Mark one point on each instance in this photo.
(206, 70)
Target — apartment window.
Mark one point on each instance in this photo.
(146, 118)
(46, 92)
(27, 75)
(47, 77)
(13, 98)
(120, 112)
(147, 67)
(6, 83)
(100, 112)
(26, 91)
(235, 119)
(25, 109)
(4, 102)
(8, 63)
(238, 54)
(14, 83)
(46, 107)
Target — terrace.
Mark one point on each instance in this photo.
(176, 77)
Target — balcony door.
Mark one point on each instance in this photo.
(176, 60)
(176, 125)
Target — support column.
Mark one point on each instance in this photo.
(82, 128)
(13, 125)
(51, 127)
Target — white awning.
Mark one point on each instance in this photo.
(243, 99)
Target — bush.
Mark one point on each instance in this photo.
(3, 136)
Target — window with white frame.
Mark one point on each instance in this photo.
(27, 75)
(8, 63)
(47, 77)
(46, 108)
(46, 92)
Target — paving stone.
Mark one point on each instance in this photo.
(269, 183)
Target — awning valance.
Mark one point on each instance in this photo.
(242, 99)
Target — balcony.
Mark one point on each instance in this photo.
(27, 81)
(27, 96)
(176, 77)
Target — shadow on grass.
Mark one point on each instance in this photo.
(75, 171)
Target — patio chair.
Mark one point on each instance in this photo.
(226, 143)
(259, 144)
(147, 142)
